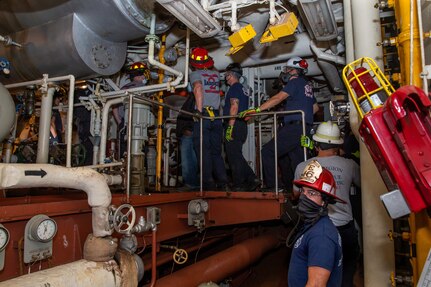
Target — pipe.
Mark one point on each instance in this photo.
(378, 250)
(71, 79)
(44, 126)
(104, 165)
(154, 257)
(272, 18)
(422, 45)
(104, 131)
(81, 273)
(325, 56)
(166, 159)
(332, 76)
(234, 26)
(223, 264)
(46, 175)
(7, 112)
(129, 147)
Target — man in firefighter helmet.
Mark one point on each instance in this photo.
(316, 258)
(346, 172)
(205, 82)
(298, 94)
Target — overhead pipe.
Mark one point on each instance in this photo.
(223, 264)
(81, 273)
(325, 56)
(43, 81)
(332, 76)
(14, 176)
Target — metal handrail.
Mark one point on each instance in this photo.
(139, 98)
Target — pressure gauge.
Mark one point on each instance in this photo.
(204, 206)
(4, 237)
(42, 228)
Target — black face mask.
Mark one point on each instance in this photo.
(309, 210)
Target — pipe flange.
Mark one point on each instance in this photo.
(154, 38)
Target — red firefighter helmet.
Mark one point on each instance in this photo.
(138, 69)
(318, 178)
(200, 59)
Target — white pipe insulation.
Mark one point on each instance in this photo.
(104, 131)
(44, 126)
(46, 175)
(81, 273)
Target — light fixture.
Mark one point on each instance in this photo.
(240, 38)
(320, 18)
(284, 27)
(191, 13)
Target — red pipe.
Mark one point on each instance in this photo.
(154, 257)
(223, 264)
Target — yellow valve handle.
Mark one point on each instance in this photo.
(180, 256)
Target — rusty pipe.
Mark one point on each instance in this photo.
(222, 264)
(154, 257)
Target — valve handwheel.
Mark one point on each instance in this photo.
(124, 218)
(180, 256)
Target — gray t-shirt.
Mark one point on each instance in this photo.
(210, 80)
(345, 172)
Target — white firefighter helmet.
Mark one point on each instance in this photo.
(297, 63)
(328, 132)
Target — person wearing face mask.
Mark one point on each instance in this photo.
(298, 95)
(316, 258)
(346, 172)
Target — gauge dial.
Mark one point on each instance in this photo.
(4, 238)
(46, 230)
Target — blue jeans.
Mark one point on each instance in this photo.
(213, 168)
(289, 148)
(189, 163)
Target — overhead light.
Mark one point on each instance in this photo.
(320, 18)
(284, 27)
(240, 38)
(191, 13)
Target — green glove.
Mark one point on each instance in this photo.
(229, 131)
(307, 142)
(250, 111)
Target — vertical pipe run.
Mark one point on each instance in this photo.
(129, 147)
(44, 126)
(104, 131)
(154, 257)
(160, 118)
(421, 39)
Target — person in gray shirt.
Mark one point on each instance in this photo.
(205, 82)
(346, 172)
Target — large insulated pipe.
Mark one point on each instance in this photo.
(7, 112)
(104, 131)
(81, 273)
(47, 175)
(44, 126)
(378, 251)
(223, 264)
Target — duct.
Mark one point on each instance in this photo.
(81, 273)
(223, 264)
(191, 13)
(132, 20)
(7, 112)
(61, 47)
(282, 50)
(44, 126)
(332, 76)
(378, 250)
(45, 175)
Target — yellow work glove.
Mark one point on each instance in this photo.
(307, 142)
(243, 114)
(229, 131)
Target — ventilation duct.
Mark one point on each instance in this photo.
(7, 112)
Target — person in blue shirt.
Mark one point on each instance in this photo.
(317, 258)
(237, 99)
(298, 94)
